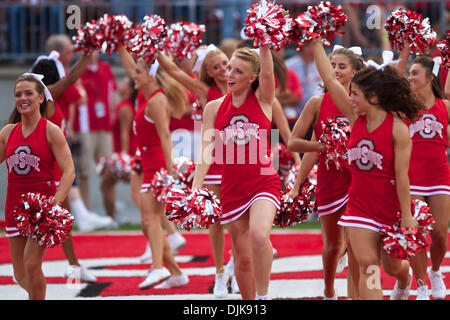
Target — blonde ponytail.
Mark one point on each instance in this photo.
(175, 93)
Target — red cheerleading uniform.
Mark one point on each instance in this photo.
(30, 163)
(149, 144)
(214, 174)
(247, 173)
(332, 184)
(117, 145)
(373, 200)
(429, 172)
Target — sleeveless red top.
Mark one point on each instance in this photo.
(147, 139)
(332, 184)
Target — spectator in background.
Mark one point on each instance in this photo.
(93, 122)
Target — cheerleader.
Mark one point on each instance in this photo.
(429, 171)
(28, 132)
(163, 99)
(211, 84)
(378, 155)
(332, 183)
(250, 189)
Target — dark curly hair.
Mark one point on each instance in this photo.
(393, 91)
(48, 69)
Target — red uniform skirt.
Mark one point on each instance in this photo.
(429, 177)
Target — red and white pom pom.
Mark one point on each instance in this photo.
(89, 38)
(197, 111)
(148, 38)
(444, 48)
(295, 210)
(285, 160)
(409, 25)
(267, 24)
(292, 176)
(192, 209)
(184, 168)
(136, 162)
(323, 20)
(335, 136)
(118, 163)
(404, 243)
(183, 38)
(115, 29)
(161, 183)
(46, 223)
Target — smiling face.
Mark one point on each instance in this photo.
(217, 67)
(342, 69)
(27, 98)
(418, 78)
(239, 75)
(140, 76)
(359, 100)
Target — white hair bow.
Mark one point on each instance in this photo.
(201, 54)
(39, 78)
(154, 69)
(54, 55)
(436, 65)
(388, 58)
(355, 50)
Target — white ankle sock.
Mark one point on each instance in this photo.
(79, 210)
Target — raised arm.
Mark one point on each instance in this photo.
(57, 88)
(336, 90)
(127, 60)
(266, 76)
(403, 63)
(196, 86)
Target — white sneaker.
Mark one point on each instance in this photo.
(335, 297)
(220, 285)
(229, 268)
(234, 285)
(342, 263)
(154, 276)
(79, 273)
(438, 290)
(93, 221)
(147, 256)
(402, 294)
(174, 281)
(176, 242)
(422, 293)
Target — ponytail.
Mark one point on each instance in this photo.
(175, 93)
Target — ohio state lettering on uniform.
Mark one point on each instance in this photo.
(22, 161)
(427, 126)
(240, 130)
(365, 156)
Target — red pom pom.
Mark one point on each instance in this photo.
(297, 210)
(267, 24)
(403, 243)
(115, 29)
(335, 136)
(184, 168)
(196, 209)
(322, 20)
(89, 38)
(284, 159)
(184, 38)
(409, 25)
(197, 111)
(136, 162)
(37, 217)
(148, 38)
(444, 48)
(118, 163)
